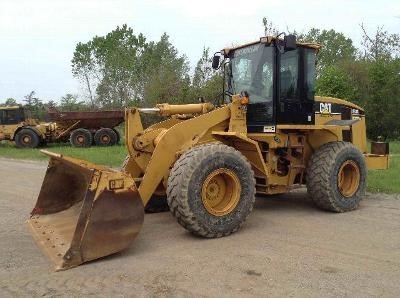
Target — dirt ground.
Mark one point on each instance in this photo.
(286, 248)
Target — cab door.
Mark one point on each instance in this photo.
(295, 99)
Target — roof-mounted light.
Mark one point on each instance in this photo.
(267, 40)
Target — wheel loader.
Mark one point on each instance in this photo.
(268, 135)
(17, 125)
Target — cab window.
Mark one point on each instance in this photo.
(289, 75)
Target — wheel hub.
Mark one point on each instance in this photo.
(26, 140)
(221, 192)
(80, 139)
(105, 139)
(349, 178)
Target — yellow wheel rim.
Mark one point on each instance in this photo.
(349, 178)
(80, 139)
(220, 193)
(105, 138)
(26, 139)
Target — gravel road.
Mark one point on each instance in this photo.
(286, 248)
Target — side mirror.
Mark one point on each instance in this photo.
(215, 61)
(290, 42)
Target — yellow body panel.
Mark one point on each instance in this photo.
(377, 162)
(153, 151)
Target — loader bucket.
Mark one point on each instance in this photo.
(84, 212)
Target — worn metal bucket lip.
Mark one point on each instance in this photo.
(57, 248)
(54, 254)
(85, 229)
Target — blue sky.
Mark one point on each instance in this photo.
(38, 37)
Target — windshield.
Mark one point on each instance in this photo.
(251, 70)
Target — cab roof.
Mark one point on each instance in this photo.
(9, 107)
(273, 39)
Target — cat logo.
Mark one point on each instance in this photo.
(325, 108)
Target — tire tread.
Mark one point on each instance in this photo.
(178, 182)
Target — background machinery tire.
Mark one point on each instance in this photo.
(156, 204)
(211, 190)
(81, 137)
(118, 136)
(336, 177)
(27, 138)
(105, 137)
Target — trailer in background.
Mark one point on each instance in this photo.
(82, 129)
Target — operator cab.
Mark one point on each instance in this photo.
(11, 115)
(279, 77)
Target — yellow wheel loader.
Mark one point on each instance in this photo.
(268, 135)
(17, 126)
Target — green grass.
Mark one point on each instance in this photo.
(387, 181)
(108, 156)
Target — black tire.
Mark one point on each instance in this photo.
(105, 137)
(118, 136)
(206, 173)
(27, 138)
(81, 137)
(156, 204)
(336, 177)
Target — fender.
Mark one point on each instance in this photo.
(248, 147)
(176, 139)
(33, 128)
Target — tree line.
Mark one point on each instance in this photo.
(125, 69)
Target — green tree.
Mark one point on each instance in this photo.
(51, 105)
(85, 70)
(381, 55)
(34, 105)
(70, 102)
(166, 73)
(269, 28)
(124, 69)
(10, 102)
(30, 99)
(384, 100)
(109, 66)
(120, 52)
(335, 47)
(336, 82)
(207, 82)
(380, 45)
(203, 71)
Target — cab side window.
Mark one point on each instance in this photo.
(309, 74)
(289, 75)
(10, 117)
